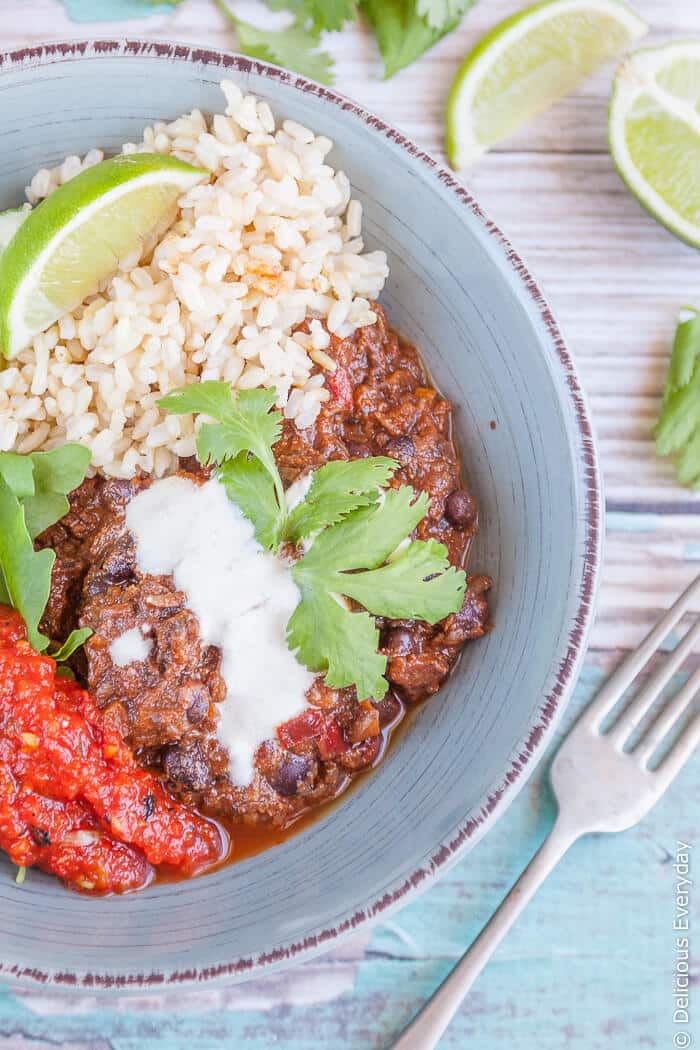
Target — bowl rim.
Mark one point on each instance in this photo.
(522, 760)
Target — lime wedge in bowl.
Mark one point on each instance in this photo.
(655, 133)
(10, 222)
(529, 61)
(76, 238)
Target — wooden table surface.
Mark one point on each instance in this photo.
(590, 964)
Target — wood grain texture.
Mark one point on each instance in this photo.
(589, 965)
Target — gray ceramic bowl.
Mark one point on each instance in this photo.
(461, 293)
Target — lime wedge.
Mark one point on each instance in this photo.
(10, 222)
(527, 62)
(655, 133)
(76, 238)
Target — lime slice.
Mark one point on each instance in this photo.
(655, 133)
(76, 238)
(10, 222)
(527, 62)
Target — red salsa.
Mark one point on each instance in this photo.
(73, 799)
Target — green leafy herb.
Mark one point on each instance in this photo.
(294, 47)
(318, 15)
(677, 432)
(404, 30)
(360, 532)
(72, 643)
(246, 425)
(336, 489)
(418, 582)
(250, 487)
(25, 574)
(403, 35)
(441, 13)
(33, 491)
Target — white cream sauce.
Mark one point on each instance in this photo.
(130, 648)
(242, 597)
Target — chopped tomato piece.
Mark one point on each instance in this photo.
(341, 388)
(306, 726)
(314, 724)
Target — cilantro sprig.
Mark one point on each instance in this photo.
(354, 534)
(33, 496)
(404, 30)
(677, 432)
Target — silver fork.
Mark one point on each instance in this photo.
(598, 785)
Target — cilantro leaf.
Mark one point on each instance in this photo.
(249, 485)
(338, 488)
(343, 644)
(245, 424)
(678, 429)
(317, 15)
(419, 583)
(294, 47)
(416, 583)
(366, 538)
(73, 642)
(402, 34)
(360, 551)
(439, 13)
(25, 574)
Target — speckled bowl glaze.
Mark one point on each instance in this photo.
(460, 292)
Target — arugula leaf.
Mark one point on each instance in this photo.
(416, 583)
(25, 574)
(294, 47)
(73, 642)
(56, 474)
(246, 424)
(249, 485)
(18, 473)
(439, 13)
(338, 488)
(33, 492)
(678, 429)
(402, 34)
(42, 480)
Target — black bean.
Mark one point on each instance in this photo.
(119, 561)
(401, 448)
(197, 698)
(460, 509)
(40, 836)
(388, 708)
(356, 450)
(397, 640)
(187, 766)
(149, 806)
(290, 773)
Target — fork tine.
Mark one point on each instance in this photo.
(628, 670)
(679, 754)
(644, 700)
(667, 719)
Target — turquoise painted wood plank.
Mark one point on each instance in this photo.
(588, 967)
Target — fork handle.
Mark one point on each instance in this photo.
(425, 1030)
